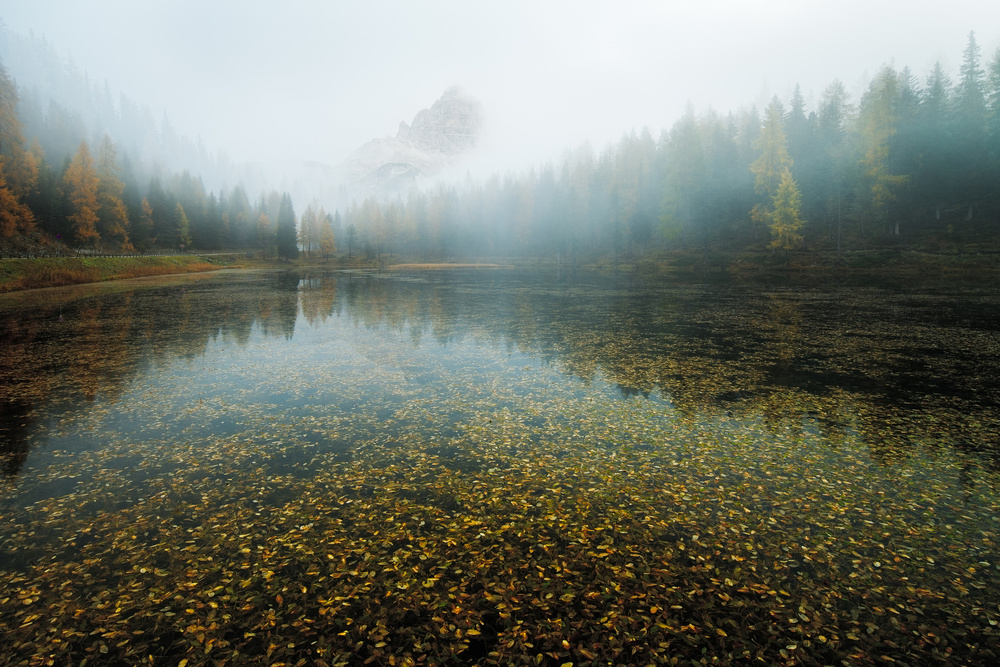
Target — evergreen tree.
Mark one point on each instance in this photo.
(142, 228)
(239, 219)
(797, 129)
(264, 232)
(683, 196)
(211, 231)
(352, 238)
(834, 113)
(970, 98)
(993, 93)
(993, 131)
(48, 203)
(877, 125)
(970, 130)
(164, 208)
(934, 183)
(286, 236)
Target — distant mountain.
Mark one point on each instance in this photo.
(437, 138)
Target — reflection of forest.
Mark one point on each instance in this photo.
(892, 371)
(889, 370)
(57, 356)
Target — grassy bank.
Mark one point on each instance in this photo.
(23, 274)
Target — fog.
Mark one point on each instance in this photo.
(293, 81)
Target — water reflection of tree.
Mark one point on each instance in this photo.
(58, 356)
(800, 363)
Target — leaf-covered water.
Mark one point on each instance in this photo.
(498, 468)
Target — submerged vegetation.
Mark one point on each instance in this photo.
(500, 468)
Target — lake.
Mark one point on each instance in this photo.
(500, 467)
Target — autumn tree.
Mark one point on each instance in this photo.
(786, 223)
(14, 215)
(18, 168)
(327, 240)
(308, 229)
(771, 164)
(183, 229)
(19, 165)
(82, 185)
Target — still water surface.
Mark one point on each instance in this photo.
(824, 455)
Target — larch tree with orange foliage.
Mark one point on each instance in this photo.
(81, 187)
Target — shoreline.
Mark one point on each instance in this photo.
(19, 275)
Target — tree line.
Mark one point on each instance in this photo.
(909, 162)
(95, 200)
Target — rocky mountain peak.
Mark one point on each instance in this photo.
(436, 138)
(451, 126)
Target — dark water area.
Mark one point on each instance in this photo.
(701, 453)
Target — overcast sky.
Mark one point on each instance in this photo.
(312, 80)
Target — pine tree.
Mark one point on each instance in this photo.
(142, 228)
(285, 233)
(970, 130)
(970, 97)
(877, 125)
(834, 112)
(352, 237)
(993, 92)
(264, 232)
(683, 197)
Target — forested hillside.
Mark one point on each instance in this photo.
(912, 163)
(909, 163)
